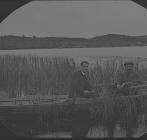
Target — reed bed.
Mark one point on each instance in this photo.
(32, 75)
(126, 112)
(23, 75)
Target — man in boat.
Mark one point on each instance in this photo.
(80, 86)
(127, 79)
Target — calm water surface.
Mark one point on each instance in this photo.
(115, 51)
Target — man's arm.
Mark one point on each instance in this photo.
(120, 80)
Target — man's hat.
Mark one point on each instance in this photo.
(128, 63)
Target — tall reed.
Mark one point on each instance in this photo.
(35, 75)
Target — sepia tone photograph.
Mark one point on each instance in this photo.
(73, 69)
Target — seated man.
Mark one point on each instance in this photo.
(80, 86)
(127, 79)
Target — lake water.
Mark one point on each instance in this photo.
(113, 51)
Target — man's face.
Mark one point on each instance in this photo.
(84, 67)
(129, 68)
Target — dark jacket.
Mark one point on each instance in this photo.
(79, 83)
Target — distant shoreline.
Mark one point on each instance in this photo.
(71, 48)
(135, 52)
(106, 41)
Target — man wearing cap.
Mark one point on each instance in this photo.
(127, 79)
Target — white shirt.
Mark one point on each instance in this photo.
(82, 72)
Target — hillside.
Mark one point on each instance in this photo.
(110, 40)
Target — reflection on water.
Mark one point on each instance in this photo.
(94, 133)
(42, 123)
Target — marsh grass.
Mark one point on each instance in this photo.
(32, 75)
(105, 112)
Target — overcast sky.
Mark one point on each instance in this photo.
(76, 19)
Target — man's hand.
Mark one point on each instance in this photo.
(86, 91)
(121, 86)
(90, 93)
